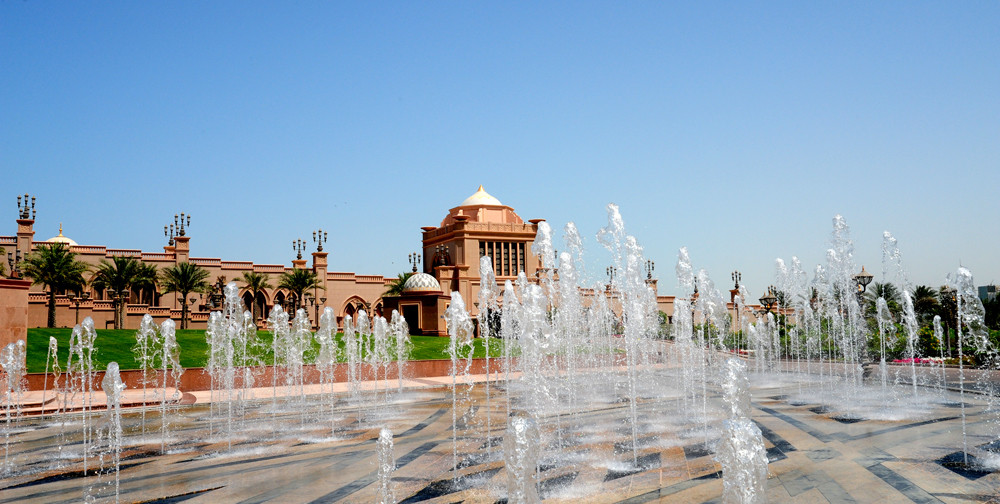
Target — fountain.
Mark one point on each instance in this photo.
(521, 451)
(327, 359)
(12, 362)
(386, 466)
(146, 340)
(741, 450)
(113, 388)
(170, 373)
(81, 370)
(592, 401)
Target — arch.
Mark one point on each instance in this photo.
(353, 305)
(247, 301)
(262, 308)
(279, 300)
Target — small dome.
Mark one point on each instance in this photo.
(61, 239)
(481, 197)
(421, 282)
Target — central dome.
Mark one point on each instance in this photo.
(421, 282)
(482, 207)
(481, 197)
(62, 239)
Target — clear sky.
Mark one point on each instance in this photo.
(737, 129)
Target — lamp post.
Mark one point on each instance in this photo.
(414, 259)
(862, 280)
(76, 303)
(319, 238)
(169, 234)
(736, 276)
(26, 212)
(309, 300)
(14, 261)
(768, 299)
(298, 246)
(191, 300)
(650, 267)
(180, 221)
(322, 302)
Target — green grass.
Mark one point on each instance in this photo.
(116, 346)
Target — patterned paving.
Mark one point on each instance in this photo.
(298, 451)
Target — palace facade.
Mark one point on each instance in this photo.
(450, 262)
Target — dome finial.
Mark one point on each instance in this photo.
(481, 197)
(60, 229)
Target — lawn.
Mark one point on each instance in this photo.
(116, 346)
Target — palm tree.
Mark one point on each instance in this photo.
(882, 290)
(184, 278)
(298, 281)
(255, 283)
(146, 283)
(396, 286)
(121, 274)
(925, 302)
(55, 267)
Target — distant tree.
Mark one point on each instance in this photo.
(184, 278)
(396, 286)
(55, 267)
(992, 317)
(948, 313)
(3, 262)
(781, 298)
(884, 290)
(255, 282)
(145, 282)
(925, 303)
(298, 282)
(121, 274)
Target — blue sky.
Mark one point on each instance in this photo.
(736, 129)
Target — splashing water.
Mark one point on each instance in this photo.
(521, 451)
(386, 494)
(12, 360)
(741, 450)
(113, 388)
(171, 372)
(460, 332)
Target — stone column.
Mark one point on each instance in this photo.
(13, 310)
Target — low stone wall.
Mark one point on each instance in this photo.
(197, 379)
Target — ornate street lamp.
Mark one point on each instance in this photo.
(322, 301)
(414, 259)
(611, 272)
(76, 302)
(169, 234)
(862, 280)
(650, 266)
(319, 238)
(737, 276)
(308, 300)
(14, 261)
(26, 212)
(768, 300)
(298, 246)
(179, 222)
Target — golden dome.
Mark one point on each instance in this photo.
(481, 197)
(61, 239)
